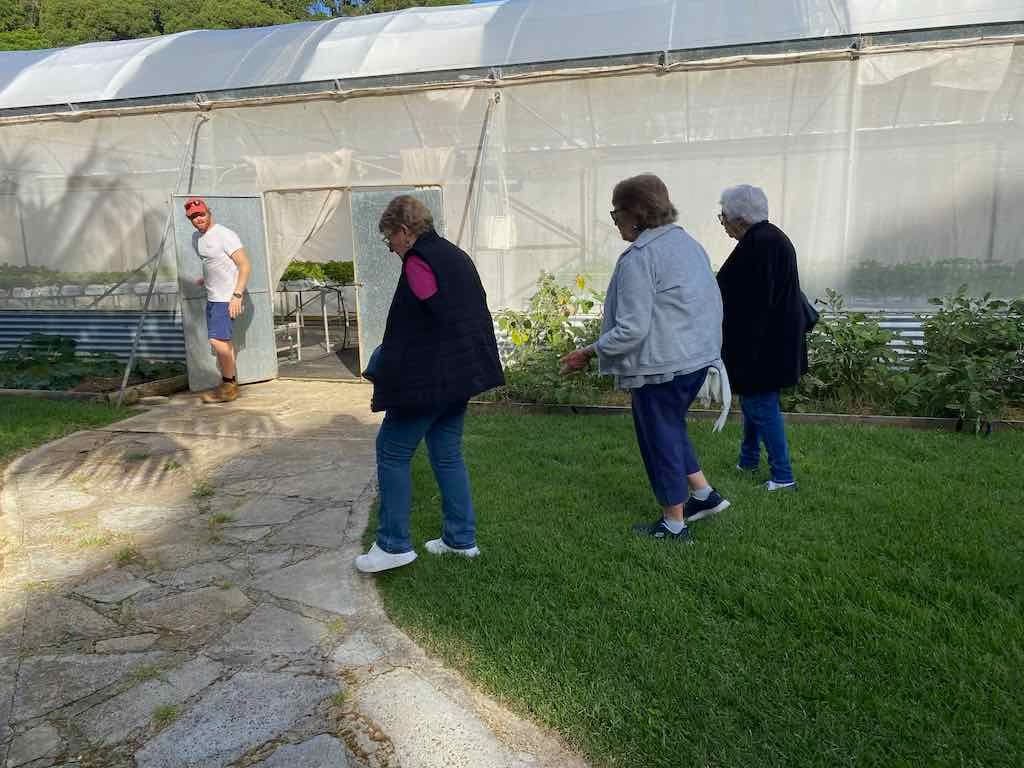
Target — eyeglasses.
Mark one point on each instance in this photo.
(614, 213)
(386, 239)
(721, 218)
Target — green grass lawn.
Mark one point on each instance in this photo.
(873, 618)
(26, 422)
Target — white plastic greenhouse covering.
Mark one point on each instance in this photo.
(885, 133)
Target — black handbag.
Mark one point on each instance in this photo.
(373, 364)
(811, 315)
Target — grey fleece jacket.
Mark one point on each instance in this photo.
(663, 311)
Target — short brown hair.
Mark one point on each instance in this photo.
(406, 211)
(646, 198)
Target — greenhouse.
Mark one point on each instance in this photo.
(884, 133)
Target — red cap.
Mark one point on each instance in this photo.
(195, 205)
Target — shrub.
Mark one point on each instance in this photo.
(43, 361)
(972, 361)
(851, 362)
(557, 321)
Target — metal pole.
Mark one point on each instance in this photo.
(21, 225)
(323, 311)
(484, 130)
(189, 149)
(298, 326)
(850, 171)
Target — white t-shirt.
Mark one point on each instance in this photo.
(220, 273)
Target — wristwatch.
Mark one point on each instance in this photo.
(237, 295)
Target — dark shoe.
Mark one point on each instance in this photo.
(658, 530)
(697, 510)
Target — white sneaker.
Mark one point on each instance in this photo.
(376, 559)
(438, 547)
(771, 485)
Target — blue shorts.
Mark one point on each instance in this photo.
(218, 321)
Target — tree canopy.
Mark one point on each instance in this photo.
(29, 24)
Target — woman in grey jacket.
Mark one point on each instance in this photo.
(662, 330)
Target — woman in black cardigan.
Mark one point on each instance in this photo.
(763, 340)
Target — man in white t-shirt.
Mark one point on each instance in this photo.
(226, 271)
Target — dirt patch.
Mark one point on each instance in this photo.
(99, 384)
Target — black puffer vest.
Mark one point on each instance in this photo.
(442, 350)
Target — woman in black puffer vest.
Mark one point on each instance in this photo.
(438, 352)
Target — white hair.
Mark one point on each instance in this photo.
(745, 203)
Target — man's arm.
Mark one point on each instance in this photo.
(244, 270)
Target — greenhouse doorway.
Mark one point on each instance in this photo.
(337, 276)
(315, 317)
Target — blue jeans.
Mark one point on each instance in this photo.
(659, 416)
(762, 422)
(397, 441)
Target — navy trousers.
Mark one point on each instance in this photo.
(659, 416)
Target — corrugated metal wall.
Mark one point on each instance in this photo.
(162, 334)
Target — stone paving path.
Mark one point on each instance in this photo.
(178, 591)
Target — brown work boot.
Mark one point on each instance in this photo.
(225, 393)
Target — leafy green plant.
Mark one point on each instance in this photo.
(340, 272)
(305, 270)
(972, 361)
(53, 362)
(558, 319)
(850, 360)
(548, 322)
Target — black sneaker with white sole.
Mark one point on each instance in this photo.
(658, 530)
(697, 510)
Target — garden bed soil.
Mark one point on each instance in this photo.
(105, 389)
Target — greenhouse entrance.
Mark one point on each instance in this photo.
(326, 325)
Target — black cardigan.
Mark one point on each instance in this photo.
(440, 350)
(763, 343)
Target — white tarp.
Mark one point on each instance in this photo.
(455, 37)
(897, 175)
